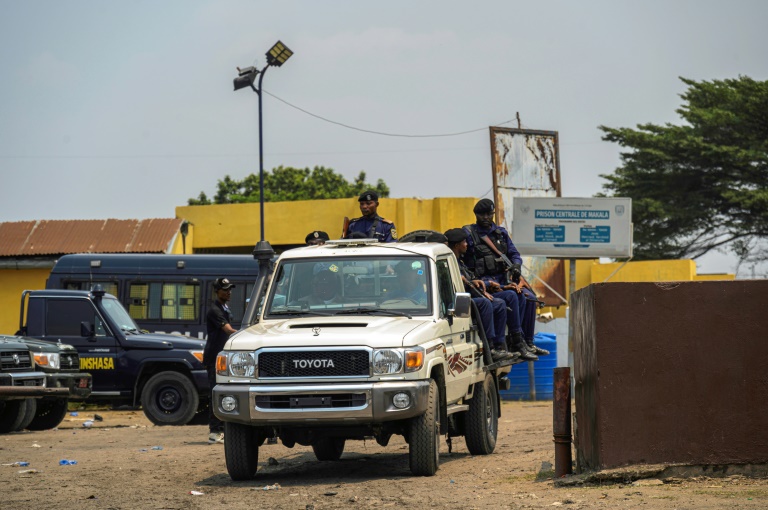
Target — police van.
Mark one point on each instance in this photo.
(162, 293)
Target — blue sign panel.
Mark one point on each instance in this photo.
(595, 234)
(549, 234)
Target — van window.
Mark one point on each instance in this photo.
(239, 299)
(164, 301)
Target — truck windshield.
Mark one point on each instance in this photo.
(365, 285)
(119, 316)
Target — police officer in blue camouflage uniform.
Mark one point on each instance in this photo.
(491, 268)
(370, 224)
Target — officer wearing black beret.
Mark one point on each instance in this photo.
(316, 237)
(370, 223)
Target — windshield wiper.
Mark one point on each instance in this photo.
(364, 310)
(301, 312)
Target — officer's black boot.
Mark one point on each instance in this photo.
(538, 351)
(516, 342)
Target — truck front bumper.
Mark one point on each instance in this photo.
(27, 385)
(78, 384)
(320, 404)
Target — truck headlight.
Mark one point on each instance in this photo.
(242, 364)
(387, 361)
(48, 359)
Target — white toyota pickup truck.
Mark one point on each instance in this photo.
(357, 339)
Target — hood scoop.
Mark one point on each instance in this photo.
(326, 325)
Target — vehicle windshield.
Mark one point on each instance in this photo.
(351, 285)
(119, 316)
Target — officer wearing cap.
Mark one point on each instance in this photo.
(218, 322)
(371, 224)
(486, 264)
(316, 237)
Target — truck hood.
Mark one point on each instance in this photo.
(161, 341)
(40, 345)
(371, 331)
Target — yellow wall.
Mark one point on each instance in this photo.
(12, 283)
(230, 225)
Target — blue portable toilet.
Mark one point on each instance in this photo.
(520, 388)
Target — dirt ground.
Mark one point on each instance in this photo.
(125, 462)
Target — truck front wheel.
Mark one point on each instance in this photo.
(482, 423)
(424, 436)
(329, 448)
(49, 414)
(241, 450)
(169, 398)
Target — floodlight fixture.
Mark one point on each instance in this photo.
(278, 54)
(245, 77)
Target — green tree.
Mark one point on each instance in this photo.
(702, 185)
(287, 184)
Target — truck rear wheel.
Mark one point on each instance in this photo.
(11, 414)
(424, 437)
(241, 450)
(329, 448)
(482, 423)
(29, 414)
(49, 414)
(169, 398)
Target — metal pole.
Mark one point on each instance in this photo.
(261, 156)
(561, 421)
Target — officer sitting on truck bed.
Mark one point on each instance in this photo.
(493, 312)
(492, 255)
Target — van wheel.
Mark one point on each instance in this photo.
(169, 398)
(424, 436)
(482, 421)
(29, 415)
(11, 415)
(50, 413)
(241, 450)
(329, 448)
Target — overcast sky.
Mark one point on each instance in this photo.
(125, 109)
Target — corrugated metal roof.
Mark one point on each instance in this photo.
(56, 237)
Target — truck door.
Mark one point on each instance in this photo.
(98, 353)
(460, 351)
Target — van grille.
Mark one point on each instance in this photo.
(15, 360)
(302, 364)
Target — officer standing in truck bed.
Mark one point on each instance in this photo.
(370, 224)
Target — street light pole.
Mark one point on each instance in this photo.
(261, 156)
(263, 252)
(276, 56)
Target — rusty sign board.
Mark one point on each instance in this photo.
(526, 163)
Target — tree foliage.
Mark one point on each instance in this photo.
(703, 185)
(289, 184)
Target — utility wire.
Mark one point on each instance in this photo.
(379, 132)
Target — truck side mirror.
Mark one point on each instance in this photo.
(87, 330)
(462, 305)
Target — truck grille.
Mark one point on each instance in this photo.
(340, 400)
(70, 361)
(15, 360)
(343, 363)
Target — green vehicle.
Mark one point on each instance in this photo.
(61, 365)
(20, 383)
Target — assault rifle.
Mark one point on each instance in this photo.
(508, 265)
